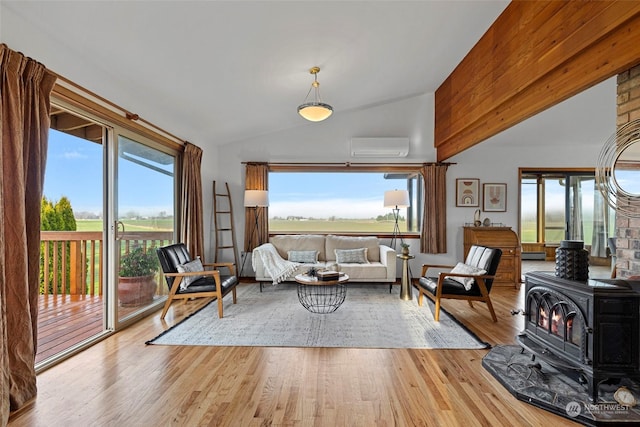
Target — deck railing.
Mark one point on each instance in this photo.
(71, 262)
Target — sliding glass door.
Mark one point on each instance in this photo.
(109, 202)
(144, 213)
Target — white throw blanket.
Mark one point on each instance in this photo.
(277, 267)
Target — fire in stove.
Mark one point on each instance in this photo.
(559, 322)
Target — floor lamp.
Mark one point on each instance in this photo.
(254, 199)
(396, 199)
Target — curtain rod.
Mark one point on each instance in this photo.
(129, 115)
(348, 164)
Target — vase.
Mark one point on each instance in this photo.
(572, 261)
(405, 251)
(136, 291)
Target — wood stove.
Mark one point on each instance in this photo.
(590, 330)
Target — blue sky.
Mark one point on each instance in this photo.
(74, 169)
(320, 195)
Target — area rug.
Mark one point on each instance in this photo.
(370, 317)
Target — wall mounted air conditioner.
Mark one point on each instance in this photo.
(379, 147)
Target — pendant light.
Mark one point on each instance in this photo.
(315, 110)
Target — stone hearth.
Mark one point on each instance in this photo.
(539, 384)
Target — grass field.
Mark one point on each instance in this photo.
(129, 225)
(340, 226)
(277, 226)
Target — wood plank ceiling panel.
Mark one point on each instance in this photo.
(535, 55)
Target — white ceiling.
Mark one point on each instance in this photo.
(215, 72)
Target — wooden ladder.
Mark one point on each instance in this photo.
(223, 223)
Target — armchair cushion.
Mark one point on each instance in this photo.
(449, 286)
(190, 267)
(462, 268)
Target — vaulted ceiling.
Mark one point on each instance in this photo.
(215, 72)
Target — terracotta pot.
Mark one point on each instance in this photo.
(135, 291)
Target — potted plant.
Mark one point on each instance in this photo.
(136, 284)
(405, 248)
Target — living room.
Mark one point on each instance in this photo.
(549, 140)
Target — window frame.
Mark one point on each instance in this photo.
(409, 169)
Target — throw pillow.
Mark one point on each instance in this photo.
(309, 257)
(462, 268)
(188, 267)
(351, 256)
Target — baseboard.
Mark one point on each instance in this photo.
(540, 256)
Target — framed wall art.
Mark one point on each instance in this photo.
(468, 192)
(494, 197)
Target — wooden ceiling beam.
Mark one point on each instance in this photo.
(535, 55)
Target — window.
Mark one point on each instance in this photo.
(341, 202)
(563, 205)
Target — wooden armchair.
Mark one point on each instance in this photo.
(188, 278)
(479, 270)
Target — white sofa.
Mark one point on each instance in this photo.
(380, 265)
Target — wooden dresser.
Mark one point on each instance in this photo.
(505, 238)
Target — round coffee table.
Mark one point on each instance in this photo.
(321, 296)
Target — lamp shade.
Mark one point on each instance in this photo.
(256, 198)
(315, 111)
(396, 199)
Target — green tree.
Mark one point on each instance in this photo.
(64, 211)
(50, 219)
(56, 216)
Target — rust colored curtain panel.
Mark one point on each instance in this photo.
(191, 228)
(256, 178)
(25, 88)
(433, 237)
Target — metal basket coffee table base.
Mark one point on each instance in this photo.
(322, 299)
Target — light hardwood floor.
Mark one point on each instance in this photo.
(122, 382)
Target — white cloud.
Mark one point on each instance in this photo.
(342, 208)
(74, 155)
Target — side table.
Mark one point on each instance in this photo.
(406, 289)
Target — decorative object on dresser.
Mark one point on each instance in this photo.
(508, 273)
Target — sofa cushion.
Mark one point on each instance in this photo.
(303, 256)
(299, 242)
(352, 256)
(334, 242)
(374, 271)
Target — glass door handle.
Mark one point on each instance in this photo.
(118, 225)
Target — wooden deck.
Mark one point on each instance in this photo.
(66, 320)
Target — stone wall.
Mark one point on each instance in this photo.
(628, 229)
